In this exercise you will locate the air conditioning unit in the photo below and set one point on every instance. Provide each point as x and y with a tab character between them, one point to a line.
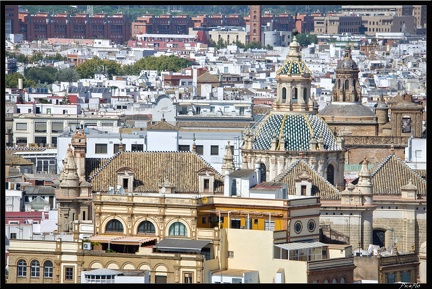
87	246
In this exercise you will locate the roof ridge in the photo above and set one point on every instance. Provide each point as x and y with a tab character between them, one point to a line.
387	159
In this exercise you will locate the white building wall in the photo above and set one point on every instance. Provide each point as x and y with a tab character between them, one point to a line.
162	141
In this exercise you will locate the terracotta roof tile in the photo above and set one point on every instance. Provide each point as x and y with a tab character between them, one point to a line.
389	176
320	186
150	168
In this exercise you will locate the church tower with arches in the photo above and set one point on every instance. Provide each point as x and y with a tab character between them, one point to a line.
292	129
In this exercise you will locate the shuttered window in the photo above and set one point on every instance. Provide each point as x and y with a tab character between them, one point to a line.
40	127
21	126
57	127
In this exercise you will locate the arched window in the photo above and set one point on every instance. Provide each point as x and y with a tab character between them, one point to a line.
22	268
146	227
330	174
114	226
305	95
326	281
254	31
48	269
346	84
283	95
378	238
342	280
233	187
339	83
177	229
294	94
254	17
34	268
334	281
263	172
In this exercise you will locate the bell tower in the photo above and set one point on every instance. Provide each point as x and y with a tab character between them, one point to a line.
255	24
294	82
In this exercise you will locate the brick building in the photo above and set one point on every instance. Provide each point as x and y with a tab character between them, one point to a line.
42	26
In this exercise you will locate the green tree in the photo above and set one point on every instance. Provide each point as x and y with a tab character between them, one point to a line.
58	57
41	74
37	56
161	63
304	39
11	80
96	65
67	75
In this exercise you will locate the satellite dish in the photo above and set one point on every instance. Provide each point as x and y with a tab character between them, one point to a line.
204	200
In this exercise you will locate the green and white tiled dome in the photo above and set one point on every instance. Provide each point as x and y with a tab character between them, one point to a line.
293	64
297	131
293	67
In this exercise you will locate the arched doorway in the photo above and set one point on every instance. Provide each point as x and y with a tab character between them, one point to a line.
330	174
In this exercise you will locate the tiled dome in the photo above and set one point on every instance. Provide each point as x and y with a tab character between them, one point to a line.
293	67
297	131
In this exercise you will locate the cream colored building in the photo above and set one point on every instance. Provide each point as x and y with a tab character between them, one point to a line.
279	263
229	36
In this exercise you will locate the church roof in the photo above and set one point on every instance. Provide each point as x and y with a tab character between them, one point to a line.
391	174
293	64
297	130
293	67
150	168
347	62
320	186
207	77
346	109
163	125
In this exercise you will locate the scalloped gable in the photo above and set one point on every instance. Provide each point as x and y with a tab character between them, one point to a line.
389	176
321	187
179	168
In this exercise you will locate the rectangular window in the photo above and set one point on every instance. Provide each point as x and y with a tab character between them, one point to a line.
187	278
40	140
390	278
21	126
242	110
54	141
204	220
214	150
116	148
40	127
206	185
230	254
200	150
269	225
101	148
406	276
160	279
184	148
137	147
69	273
303	190
418	153
12	236
57	127
235	223
406	125
232	150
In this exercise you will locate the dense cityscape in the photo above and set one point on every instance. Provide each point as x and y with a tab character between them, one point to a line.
216	144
